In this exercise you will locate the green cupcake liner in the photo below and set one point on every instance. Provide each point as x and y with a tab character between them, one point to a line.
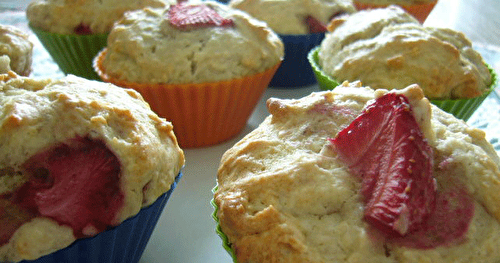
325	82
460	108
73	54
464	108
225	240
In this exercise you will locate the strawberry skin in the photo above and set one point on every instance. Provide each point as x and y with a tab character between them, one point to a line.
82	29
185	16
314	25
385	147
76	183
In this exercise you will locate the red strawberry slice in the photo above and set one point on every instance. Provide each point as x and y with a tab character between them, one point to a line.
315	26
76	183
447	224
184	16
385	146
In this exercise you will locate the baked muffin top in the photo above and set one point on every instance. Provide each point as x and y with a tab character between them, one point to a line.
290	17
147	46
82	16
285	195
388	48
17	49
70	141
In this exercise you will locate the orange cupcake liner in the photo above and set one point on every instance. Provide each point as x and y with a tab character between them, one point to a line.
419	11
203	114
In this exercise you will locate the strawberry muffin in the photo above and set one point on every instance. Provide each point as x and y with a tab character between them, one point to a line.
16	51
201	65
387	48
74	31
360	175
82	163
301	24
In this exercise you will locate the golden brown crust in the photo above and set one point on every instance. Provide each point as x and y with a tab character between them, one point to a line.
386	48
16	51
289	17
283	196
144	47
64	16
38	114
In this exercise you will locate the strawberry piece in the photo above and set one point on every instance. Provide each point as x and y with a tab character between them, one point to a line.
447	224
184	16
385	146
82	29
76	183
314	25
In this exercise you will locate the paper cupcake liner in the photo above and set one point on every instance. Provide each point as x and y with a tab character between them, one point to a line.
419	11
73	53
225	240
295	71
202	114
460	108
124	243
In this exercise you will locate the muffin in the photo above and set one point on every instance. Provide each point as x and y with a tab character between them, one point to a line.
360	175
16	51
301	24
73	32
85	170
420	9
205	71
387	48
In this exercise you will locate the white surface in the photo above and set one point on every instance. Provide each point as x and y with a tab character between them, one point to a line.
186	230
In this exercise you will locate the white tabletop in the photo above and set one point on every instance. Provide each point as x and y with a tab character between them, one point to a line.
186	230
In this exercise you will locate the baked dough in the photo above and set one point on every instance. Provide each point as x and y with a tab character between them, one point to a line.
387	48
284	197
144	47
289	17
64	16
16	51
38	114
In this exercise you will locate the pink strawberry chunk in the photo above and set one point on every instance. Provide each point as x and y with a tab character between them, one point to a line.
385	147
315	26
76	183
185	16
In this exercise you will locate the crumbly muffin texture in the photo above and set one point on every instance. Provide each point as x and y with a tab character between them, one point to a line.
144	47
93	16
289	17
283	196
37	115
16	50
388	48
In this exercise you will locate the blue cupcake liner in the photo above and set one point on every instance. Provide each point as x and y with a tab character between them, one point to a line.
124	243
295	70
